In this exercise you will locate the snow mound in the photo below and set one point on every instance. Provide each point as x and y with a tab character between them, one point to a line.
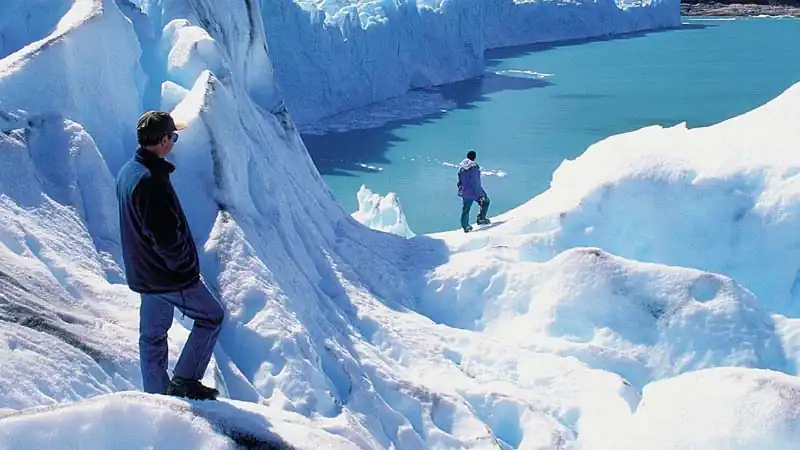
642	321
382	213
133	420
728	408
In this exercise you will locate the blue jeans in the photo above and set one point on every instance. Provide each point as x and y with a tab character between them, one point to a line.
155	319
484	204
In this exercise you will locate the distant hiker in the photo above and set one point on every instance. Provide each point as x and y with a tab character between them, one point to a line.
161	264
470	190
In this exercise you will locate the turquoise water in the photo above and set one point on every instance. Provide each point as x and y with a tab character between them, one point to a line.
703	73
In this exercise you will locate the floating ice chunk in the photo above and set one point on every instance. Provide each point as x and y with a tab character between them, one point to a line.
381	213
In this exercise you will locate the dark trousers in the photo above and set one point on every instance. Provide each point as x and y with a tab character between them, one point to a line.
155	319
483	202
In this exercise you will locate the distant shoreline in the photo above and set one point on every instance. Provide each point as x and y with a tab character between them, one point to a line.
738	10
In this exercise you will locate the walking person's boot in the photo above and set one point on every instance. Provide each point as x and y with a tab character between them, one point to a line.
191	389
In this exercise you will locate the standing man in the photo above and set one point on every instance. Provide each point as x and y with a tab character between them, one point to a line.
162	265
470	190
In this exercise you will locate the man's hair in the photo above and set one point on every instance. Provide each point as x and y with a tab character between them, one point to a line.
471	155
152	126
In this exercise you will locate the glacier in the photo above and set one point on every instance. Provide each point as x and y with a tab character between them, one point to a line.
335	56
639	302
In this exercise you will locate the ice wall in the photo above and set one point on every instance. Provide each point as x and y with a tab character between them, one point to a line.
329	60
518	22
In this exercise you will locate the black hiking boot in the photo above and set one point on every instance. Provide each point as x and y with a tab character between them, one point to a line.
483	222
468	229
191	389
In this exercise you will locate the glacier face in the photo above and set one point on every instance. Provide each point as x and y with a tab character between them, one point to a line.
331	57
329	60
520	336
518	22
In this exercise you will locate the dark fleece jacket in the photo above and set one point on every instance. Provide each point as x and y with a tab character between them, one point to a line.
158	249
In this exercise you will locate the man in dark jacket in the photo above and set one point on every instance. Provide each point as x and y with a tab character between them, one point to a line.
470	190
161	264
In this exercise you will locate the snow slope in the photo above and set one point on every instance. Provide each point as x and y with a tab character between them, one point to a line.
334	56
518	336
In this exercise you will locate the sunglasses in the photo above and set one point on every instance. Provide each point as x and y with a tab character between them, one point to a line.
174	137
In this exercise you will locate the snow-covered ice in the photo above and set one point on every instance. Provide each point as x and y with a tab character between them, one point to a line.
132	420
649	293
721	408
640	320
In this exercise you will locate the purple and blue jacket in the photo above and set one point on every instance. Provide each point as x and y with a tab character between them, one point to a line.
469	180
